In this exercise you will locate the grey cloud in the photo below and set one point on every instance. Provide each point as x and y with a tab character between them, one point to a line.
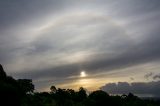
111	45
156	77
56	38
54	72
135	9
141	53
148	75
141	88
134	55
20	11
131	78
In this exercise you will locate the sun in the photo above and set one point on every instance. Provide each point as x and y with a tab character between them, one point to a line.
83	74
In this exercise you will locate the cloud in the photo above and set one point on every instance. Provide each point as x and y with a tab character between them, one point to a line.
148	75
131	78
140	88
100	58
42	39
156	77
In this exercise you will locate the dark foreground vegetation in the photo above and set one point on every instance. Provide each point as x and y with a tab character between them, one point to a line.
21	93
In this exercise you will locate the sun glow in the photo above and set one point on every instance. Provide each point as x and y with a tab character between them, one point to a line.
83	74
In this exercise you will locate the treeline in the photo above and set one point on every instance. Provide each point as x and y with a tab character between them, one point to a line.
21	93
12	91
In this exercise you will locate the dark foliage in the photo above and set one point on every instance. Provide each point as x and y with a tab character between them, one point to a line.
13	91
21	93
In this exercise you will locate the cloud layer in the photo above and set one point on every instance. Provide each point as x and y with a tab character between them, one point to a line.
139	88
55	40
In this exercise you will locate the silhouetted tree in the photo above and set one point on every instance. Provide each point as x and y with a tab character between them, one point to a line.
81	94
12	91
26	85
9	92
63	97
53	89
100	98
2	73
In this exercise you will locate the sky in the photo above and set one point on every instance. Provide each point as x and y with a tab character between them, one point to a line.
97	44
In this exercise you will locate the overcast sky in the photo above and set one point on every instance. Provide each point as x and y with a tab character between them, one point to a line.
53	41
